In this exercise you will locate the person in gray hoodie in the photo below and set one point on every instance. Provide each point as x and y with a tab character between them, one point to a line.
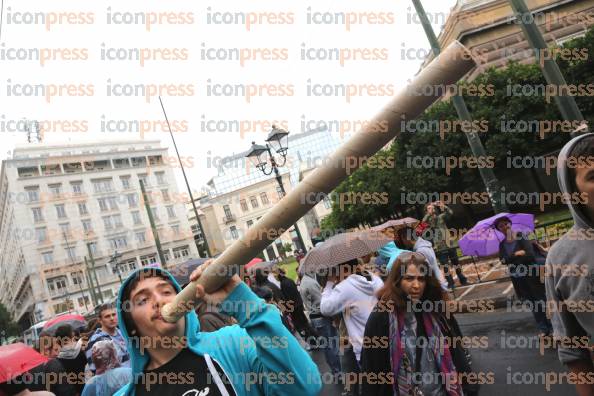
569	278
353	294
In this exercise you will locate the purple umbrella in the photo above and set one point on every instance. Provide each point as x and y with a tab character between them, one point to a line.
483	239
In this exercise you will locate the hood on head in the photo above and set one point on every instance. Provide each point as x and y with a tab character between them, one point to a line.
137	360
566	185
389	253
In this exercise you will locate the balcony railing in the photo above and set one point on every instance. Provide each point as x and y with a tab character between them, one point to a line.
229	218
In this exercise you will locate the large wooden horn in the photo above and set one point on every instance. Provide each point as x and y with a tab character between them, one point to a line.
430	84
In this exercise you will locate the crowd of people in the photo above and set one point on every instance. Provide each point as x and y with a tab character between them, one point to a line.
379	319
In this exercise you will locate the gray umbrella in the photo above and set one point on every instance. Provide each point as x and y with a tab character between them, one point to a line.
396	224
342	248
181	272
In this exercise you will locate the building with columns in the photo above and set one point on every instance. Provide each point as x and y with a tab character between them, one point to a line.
491	31
64	204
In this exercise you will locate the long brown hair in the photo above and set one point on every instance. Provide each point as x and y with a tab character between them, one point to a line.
392	295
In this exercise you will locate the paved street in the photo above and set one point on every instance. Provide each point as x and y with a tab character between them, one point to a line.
502	361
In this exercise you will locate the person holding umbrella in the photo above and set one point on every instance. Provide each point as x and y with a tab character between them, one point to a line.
518	254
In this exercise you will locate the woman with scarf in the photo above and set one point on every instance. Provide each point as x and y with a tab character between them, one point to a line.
406	353
109	375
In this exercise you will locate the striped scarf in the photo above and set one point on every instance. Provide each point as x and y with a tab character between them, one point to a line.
402	367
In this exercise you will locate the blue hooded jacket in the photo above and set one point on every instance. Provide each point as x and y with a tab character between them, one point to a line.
389	253
259	355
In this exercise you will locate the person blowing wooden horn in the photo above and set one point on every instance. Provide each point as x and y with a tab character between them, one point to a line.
169	354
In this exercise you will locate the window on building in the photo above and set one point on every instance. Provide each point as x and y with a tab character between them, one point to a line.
118	243
87	226
244	205
107	294
165	194
83	302
32	193
160	177
166	255
250	223
117	221
65	230
254	202
61	211
77	278
155	214
107	223
181	251
175	230
136	217
125	182
171	212
37	215
93	248
227	211
144	179
82	208
48	257
146	260
41	234
140	237
103	185
57	285
131	264
264	198
132	200
103	204
327	202
71	253
113	203
77	188
234	233
55	190
279	192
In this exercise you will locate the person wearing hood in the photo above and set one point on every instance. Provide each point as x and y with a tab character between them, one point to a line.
407	238
256	357
569	275
388	254
69	366
110	376
352	294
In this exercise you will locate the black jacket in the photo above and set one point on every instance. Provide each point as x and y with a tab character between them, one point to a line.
375	355
514	261
290	291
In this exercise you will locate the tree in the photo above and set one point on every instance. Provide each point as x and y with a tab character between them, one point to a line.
6	323
497	110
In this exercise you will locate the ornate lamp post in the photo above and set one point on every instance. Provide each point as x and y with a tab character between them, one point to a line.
278	140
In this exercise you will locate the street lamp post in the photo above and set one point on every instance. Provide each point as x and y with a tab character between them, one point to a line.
278	139
114	262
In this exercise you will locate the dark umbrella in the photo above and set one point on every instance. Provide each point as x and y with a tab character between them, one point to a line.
262	265
181	272
16	359
483	239
342	248
75	321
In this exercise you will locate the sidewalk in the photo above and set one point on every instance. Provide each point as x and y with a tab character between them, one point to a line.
494	285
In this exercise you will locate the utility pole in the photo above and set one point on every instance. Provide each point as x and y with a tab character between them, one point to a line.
550	69
187	184
90	283
476	146
153	227
94	273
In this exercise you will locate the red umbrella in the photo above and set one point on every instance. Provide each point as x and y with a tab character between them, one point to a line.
253	262
16	359
74	320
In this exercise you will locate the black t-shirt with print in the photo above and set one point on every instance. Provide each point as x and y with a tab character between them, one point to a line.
187	374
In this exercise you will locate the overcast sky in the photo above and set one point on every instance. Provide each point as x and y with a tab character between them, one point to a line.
69	46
